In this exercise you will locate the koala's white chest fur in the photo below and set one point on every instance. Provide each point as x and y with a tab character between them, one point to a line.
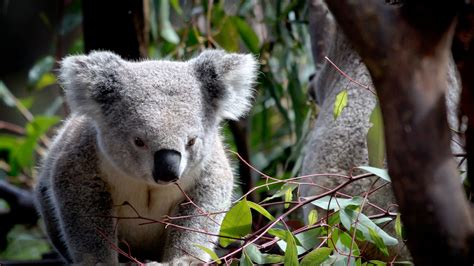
144	200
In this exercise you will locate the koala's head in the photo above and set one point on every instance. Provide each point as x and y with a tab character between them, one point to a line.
158	120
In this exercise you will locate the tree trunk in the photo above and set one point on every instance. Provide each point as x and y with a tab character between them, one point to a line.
463	52
406	51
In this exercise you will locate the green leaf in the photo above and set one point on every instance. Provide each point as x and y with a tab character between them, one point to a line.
341	243
312	217
46	80
334	203
176	6
245	260
6	95
345	242
309	239
237	223
247	35
169	34
228	37
378	241
41	68
70	21
316	257
364	224
4	206
154	10
382	173
377	263
260	210
340	103
167	31
210	252
40	125
281	234
282	191
291	253
54	106
27	102
403	262
375	139
288	197
398	226
382	220
298	99
25	244
261	258
8	142
24	154
334	219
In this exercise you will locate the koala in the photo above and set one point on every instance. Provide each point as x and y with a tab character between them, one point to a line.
136	131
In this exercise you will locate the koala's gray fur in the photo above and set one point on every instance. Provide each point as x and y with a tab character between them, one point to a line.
94	164
337	145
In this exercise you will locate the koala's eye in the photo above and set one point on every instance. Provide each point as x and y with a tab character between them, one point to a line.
191	142
139	142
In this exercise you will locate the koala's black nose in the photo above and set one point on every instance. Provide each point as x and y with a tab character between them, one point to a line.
166	165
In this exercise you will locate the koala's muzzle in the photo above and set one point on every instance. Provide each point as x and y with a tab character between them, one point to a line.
166	166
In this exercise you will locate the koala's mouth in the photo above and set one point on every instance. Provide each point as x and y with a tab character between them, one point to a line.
166	166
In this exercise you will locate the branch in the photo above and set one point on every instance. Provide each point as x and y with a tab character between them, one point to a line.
406	51
22	209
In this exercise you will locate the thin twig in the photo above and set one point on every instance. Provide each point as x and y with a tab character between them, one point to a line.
349	77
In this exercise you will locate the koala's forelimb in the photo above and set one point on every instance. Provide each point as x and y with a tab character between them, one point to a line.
209	194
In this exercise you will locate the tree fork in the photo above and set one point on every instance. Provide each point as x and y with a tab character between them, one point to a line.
406	50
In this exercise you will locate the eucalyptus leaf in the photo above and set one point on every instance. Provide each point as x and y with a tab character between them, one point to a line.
382	173
228	36
261	210
260	258
379	242
364	224
237	223
245	260
376	139
210	252
247	35
340	103
377	263
398	226
312	217
25	244
6	95
176	6
382	220
316	257
282	191
309	239
166	29
291	253
288	197
41	68
334	203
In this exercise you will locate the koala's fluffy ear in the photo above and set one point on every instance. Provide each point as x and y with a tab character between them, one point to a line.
227	80
90	80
